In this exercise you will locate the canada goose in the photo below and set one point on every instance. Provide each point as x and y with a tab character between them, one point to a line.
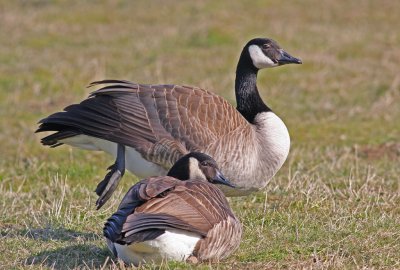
166	218
152	126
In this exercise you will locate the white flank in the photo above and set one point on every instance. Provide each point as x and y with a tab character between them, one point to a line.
260	60
276	137
133	160
175	245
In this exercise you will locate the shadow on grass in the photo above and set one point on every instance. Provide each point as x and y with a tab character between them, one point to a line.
46	234
75	256
77	250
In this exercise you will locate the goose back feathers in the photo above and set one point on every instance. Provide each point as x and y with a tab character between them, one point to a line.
161	122
166	218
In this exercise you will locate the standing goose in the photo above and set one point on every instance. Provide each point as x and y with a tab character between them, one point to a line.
166	218
152	126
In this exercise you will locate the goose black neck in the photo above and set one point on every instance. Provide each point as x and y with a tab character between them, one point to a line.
249	102
180	170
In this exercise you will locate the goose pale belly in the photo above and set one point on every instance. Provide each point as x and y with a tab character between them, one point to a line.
249	165
174	244
251	156
143	168
133	160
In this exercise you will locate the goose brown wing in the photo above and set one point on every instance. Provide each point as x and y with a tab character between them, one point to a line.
137	195
162	122
192	205
190	115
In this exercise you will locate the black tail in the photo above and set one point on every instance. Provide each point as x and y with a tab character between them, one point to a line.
53	139
92	117
113	227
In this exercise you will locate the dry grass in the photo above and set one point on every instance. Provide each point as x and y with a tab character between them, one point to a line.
334	205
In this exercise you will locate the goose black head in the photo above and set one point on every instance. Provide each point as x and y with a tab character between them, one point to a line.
266	53
197	165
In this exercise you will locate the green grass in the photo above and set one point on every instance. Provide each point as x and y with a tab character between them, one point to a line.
336	202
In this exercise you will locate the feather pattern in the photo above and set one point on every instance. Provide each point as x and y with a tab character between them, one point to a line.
161	203
161	123
165	122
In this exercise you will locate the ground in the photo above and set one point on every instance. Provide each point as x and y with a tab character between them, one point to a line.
336	202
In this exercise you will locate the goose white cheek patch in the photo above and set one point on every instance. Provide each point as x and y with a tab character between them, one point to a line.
194	169
260	60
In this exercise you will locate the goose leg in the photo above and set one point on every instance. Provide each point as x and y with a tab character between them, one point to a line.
110	182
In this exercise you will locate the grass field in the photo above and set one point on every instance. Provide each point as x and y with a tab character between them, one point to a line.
334	205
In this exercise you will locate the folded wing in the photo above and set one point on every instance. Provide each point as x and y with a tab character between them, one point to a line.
192	205
162	122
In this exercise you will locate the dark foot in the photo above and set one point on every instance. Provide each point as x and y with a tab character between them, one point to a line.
108	185
110	182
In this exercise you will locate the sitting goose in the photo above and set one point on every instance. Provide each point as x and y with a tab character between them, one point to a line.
166	218
152	126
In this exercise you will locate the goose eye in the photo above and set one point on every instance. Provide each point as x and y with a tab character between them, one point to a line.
204	163
266	46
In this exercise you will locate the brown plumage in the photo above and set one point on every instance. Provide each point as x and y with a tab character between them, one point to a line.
162	122
157	124
159	213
